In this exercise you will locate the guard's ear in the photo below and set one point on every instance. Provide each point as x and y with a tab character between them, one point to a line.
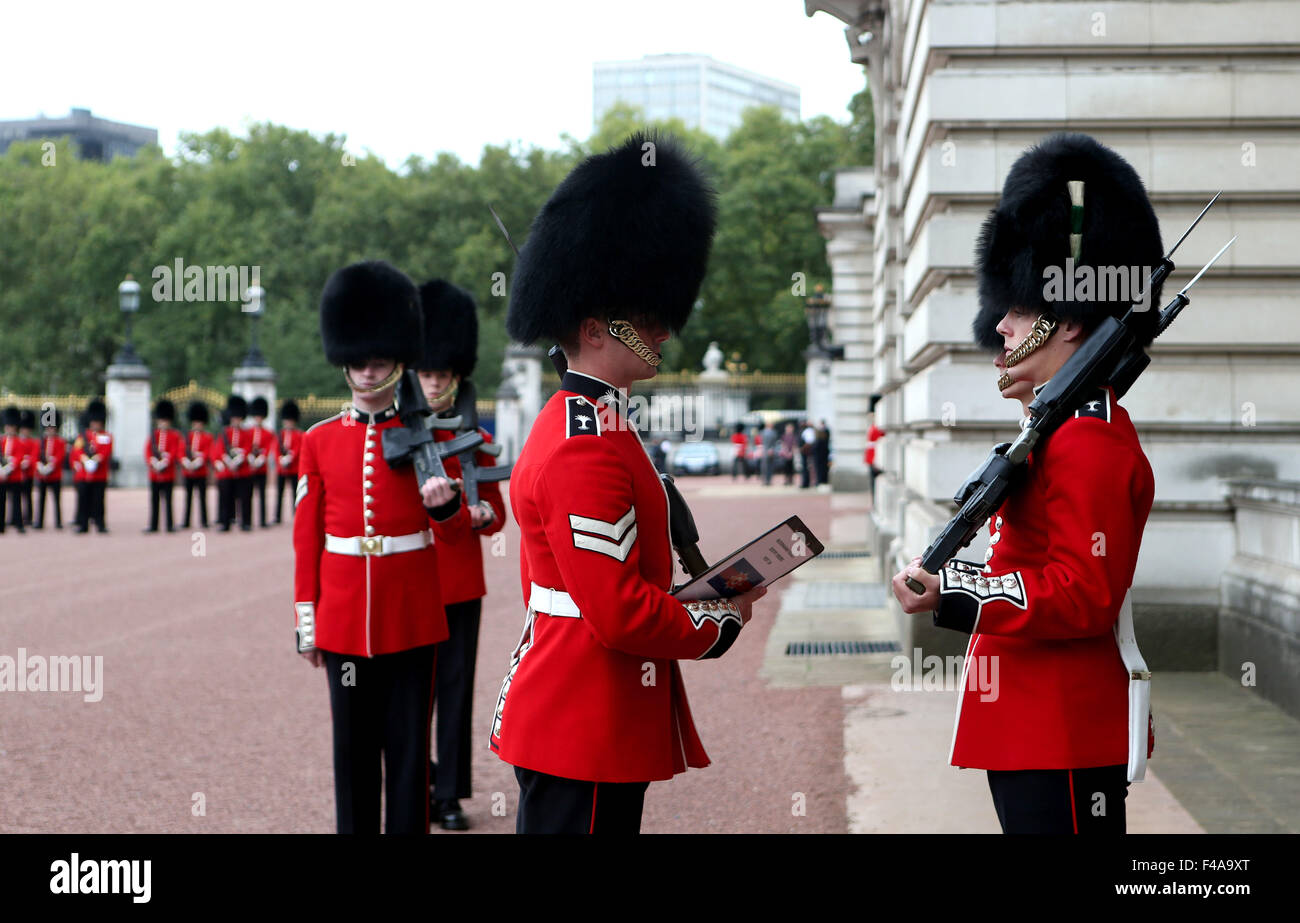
1070	330
591	332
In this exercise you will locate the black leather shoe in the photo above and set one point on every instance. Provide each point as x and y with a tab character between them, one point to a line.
450	816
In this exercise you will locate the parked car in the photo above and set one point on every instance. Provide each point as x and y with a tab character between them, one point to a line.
696	458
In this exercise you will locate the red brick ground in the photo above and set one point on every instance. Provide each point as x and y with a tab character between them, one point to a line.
206	704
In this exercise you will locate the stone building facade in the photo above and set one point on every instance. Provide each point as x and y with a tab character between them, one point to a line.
1199	97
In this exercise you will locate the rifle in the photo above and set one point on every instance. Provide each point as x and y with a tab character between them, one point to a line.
466	410
1110	356
682	532
413	441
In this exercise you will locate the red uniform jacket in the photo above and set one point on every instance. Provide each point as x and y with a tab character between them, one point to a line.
599	697
290	447
88	445
164	444
460	564
229	453
261	451
56	450
198	447
1063	550
13	455
741	444
28	471
365	604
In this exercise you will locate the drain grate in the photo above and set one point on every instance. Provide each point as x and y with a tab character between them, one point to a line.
823	648
840	555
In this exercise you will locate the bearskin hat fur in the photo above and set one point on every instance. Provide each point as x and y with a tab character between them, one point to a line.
198	413
96	412
289	411
370	310
1030	229
258	407
623	236
450	328
12	417
236	406
164	410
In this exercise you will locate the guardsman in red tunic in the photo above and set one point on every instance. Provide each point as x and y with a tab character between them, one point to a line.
366	539
49	468
92	456
1044	704
162	453
593	707
27	426
194	462
288	448
229	456
261	454
450	353
13	459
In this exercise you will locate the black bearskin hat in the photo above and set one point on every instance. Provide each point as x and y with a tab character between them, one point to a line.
370	310
164	410
198	412
258	407
12	417
621	237
96	412
1030	229
236	406
450	328
289	411
27	420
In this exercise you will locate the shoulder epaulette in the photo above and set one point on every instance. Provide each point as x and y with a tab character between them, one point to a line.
581	417
1097	406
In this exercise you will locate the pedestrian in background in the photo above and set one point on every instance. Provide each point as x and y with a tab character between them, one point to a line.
789	443
739	463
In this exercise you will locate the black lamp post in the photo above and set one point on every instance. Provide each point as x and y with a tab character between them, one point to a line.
128	299
817	310
255	304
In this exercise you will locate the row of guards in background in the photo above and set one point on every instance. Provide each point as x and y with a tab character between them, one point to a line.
240	458
27	461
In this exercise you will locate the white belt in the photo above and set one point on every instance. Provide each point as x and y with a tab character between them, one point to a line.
1139	691
361	546
553	602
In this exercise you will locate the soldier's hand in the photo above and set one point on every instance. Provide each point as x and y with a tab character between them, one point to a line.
314	656
481	515
438	491
907	597
745	602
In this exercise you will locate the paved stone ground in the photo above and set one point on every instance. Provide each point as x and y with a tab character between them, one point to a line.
206	705
209	722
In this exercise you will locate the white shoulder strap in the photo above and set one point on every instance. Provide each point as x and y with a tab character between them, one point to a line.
1139	690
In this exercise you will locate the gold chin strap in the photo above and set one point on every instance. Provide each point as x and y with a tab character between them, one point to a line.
625	333
1043	328
396	374
448	394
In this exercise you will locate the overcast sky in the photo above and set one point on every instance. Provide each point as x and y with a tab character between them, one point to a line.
398	78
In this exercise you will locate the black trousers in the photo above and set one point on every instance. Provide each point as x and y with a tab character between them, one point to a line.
1058	801
11	506
550	804
55	489
281	481
257	484
90	504
244	501
160	493
381	708
454	695
27	501
196	486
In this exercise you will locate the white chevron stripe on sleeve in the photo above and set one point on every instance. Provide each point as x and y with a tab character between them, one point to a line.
612	530
301	490
618	551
